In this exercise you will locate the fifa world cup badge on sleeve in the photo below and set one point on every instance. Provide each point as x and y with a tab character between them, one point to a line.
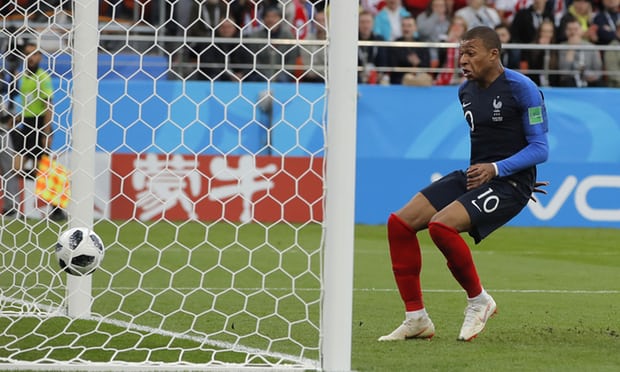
535	115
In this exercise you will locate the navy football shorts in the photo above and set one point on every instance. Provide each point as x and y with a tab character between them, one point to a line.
489	206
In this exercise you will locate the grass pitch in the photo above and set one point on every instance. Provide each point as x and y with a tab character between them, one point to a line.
558	295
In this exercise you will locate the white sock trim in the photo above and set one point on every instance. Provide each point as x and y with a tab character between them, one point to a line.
417	314
482	296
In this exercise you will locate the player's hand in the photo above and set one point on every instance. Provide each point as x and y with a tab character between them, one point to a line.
537	188
479	174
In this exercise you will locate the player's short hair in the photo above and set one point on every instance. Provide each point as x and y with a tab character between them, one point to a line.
489	37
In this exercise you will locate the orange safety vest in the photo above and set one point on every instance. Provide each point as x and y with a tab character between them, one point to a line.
52	182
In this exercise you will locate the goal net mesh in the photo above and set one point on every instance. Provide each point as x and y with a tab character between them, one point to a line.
208	196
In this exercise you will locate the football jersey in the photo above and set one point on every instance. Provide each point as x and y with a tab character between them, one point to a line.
508	124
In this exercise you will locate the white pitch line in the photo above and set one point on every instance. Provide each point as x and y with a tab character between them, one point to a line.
249	289
558	291
297	289
47	311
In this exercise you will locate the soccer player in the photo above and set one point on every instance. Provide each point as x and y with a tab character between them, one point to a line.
508	132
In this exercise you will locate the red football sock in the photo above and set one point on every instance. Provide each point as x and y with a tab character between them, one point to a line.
406	262
460	261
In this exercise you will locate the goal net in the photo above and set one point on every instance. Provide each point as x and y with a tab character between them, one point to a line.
194	137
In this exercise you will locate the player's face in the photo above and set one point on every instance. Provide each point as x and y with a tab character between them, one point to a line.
475	59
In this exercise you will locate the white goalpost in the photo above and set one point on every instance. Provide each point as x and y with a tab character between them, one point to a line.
84	135
340	187
211	145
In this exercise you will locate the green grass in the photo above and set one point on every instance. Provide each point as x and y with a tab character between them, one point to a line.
202	286
558	295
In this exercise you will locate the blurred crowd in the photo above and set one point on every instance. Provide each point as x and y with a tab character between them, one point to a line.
225	39
575	25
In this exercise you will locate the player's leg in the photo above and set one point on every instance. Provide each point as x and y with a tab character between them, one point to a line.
479	212
406	257
402	228
450	220
405	254
445	228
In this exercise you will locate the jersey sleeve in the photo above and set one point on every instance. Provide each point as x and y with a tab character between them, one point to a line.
535	126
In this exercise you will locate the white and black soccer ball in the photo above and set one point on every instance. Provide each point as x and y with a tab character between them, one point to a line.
79	251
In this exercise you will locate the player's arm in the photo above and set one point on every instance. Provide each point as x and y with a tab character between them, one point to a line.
535	125
46	92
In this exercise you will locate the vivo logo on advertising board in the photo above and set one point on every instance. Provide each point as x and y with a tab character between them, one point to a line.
580	190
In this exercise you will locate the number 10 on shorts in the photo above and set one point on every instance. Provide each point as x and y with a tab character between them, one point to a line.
486	202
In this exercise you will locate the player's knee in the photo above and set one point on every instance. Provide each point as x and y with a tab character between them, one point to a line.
436	228
454	221
397	227
436	218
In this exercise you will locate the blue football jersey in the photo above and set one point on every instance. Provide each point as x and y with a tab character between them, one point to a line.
508	124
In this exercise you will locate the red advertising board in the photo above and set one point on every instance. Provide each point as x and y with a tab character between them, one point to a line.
210	188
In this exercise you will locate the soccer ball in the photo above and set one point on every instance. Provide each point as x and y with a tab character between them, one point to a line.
79	251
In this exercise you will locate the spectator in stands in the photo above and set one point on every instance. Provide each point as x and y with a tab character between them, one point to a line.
433	23
433	26
544	60
274	61
205	17
180	19
320	5
416	7
408	57
450	62
526	22
373	6
612	62
511	58
476	13
387	21
117	9
314	57
369	57
454	5
249	13
606	21
557	8
219	60
585	65
191	19
298	13
581	10
181	13
507	9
